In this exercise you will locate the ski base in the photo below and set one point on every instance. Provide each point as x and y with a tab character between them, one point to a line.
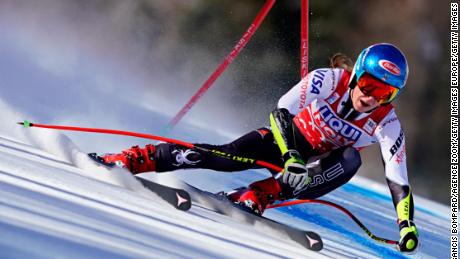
222	205
178	198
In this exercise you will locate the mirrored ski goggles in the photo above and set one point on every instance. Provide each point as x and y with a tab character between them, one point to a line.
382	92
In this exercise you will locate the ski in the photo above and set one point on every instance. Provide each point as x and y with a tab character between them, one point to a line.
178	198
220	204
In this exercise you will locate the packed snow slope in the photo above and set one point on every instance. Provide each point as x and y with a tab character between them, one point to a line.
50	208
55	202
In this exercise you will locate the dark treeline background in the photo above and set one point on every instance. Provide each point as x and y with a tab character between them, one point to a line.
176	44
269	65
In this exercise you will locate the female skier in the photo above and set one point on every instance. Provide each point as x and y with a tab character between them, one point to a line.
315	134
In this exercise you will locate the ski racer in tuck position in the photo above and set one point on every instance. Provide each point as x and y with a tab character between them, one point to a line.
315	133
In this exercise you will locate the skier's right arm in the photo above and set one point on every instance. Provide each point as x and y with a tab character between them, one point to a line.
319	84
315	85
295	172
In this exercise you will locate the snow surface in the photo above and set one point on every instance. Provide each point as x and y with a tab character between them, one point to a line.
55	202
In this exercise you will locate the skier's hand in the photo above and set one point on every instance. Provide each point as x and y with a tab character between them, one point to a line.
295	172
409	236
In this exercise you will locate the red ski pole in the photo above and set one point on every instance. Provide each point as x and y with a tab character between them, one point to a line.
218	153
342	209
221	68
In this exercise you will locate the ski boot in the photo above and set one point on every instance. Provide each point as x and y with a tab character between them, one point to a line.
136	160
257	196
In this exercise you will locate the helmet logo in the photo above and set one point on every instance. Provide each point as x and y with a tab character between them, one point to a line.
390	67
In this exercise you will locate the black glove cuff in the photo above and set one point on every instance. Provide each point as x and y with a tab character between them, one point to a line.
406	223
292	153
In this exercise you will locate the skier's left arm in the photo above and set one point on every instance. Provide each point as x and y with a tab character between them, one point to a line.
392	144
